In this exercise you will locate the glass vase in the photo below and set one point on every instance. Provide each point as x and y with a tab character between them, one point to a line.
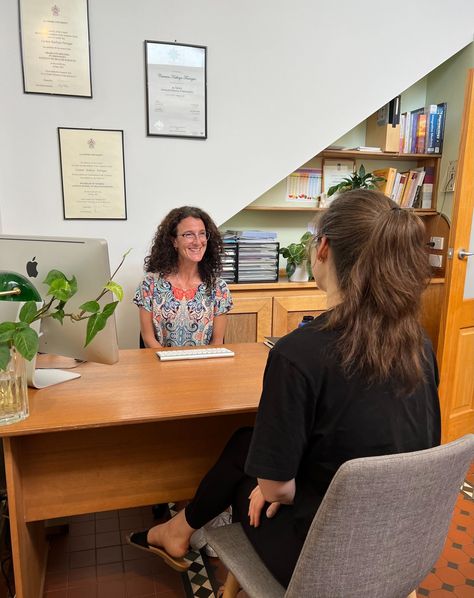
13	390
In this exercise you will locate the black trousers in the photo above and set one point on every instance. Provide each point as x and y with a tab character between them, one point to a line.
226	484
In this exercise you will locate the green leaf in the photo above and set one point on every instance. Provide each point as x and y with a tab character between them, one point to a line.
28	312
109	309
73	285
90	306
95	324
361	171
21	326
58	315
6	331
26	342
54	275
115	288
60	289
4	355
290	268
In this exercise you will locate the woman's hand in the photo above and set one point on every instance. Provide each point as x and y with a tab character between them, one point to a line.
257	502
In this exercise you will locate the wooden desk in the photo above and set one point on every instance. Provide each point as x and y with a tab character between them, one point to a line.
135	433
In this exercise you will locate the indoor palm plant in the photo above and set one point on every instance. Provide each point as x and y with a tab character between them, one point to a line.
296	255
357	180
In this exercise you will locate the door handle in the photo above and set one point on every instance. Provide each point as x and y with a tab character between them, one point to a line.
463	254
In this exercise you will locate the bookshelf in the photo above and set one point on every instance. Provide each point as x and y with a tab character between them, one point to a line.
403	161
436	225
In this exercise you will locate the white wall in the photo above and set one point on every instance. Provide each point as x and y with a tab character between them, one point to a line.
284	80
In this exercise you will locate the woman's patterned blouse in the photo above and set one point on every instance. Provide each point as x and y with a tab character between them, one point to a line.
182	318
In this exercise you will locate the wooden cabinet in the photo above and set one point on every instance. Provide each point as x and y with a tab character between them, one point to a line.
288	310
274	309
250	320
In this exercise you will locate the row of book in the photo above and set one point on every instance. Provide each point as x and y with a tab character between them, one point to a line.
250	256
410	189
422	130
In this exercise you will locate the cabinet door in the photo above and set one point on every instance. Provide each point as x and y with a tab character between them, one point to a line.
250	320
288	311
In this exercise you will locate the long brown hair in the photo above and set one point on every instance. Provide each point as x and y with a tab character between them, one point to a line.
163	258
381	263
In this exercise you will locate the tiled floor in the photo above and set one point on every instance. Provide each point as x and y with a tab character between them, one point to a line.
93	561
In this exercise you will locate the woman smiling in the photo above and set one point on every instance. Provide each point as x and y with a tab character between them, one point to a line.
181	299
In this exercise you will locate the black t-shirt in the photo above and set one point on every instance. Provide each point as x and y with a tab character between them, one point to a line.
312	418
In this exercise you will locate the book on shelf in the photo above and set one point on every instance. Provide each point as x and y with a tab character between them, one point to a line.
422	130
389	174
440	122
365	148
420	134
414	180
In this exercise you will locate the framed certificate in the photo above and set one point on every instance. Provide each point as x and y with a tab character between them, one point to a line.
334	171
55	47
176	90
93	174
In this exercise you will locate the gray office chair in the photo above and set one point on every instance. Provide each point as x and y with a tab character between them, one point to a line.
377	533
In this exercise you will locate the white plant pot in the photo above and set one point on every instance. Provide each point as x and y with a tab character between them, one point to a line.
300	274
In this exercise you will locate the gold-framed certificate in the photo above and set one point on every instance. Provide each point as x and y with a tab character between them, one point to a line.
93	174
176	90
55	47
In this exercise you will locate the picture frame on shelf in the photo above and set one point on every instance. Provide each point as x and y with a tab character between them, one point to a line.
334	171
176	90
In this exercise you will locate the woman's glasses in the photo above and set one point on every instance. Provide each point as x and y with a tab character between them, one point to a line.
201	236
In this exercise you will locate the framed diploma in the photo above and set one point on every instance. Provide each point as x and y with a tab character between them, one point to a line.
176	90
334	171
93	174
55	47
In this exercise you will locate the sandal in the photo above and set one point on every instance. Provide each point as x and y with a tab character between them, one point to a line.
139	540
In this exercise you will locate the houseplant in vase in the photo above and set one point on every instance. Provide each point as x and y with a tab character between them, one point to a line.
360	179
296	254
19	340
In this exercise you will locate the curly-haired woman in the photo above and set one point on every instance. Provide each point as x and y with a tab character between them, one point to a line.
182	300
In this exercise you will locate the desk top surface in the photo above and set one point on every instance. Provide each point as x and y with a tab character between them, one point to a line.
140	388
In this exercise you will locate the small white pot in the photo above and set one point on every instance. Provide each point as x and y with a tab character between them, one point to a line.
300	274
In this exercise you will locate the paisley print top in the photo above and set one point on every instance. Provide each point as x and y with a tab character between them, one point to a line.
182	318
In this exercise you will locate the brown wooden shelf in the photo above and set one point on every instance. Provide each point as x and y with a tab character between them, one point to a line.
283	209
376	155
425	212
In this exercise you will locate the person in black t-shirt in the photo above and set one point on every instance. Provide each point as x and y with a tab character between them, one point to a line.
360	380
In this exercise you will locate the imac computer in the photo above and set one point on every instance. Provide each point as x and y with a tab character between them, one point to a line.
88	261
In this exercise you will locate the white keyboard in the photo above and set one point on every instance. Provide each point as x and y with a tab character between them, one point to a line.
208	353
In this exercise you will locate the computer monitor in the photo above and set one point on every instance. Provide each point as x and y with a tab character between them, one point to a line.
88	261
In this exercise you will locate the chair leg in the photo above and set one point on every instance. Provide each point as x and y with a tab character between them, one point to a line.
232	586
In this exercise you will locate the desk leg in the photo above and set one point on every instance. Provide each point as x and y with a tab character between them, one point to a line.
29	545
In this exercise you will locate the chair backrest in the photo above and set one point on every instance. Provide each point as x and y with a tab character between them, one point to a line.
382	524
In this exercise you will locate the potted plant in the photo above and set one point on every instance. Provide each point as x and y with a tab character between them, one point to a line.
357	180
19	340
296	255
